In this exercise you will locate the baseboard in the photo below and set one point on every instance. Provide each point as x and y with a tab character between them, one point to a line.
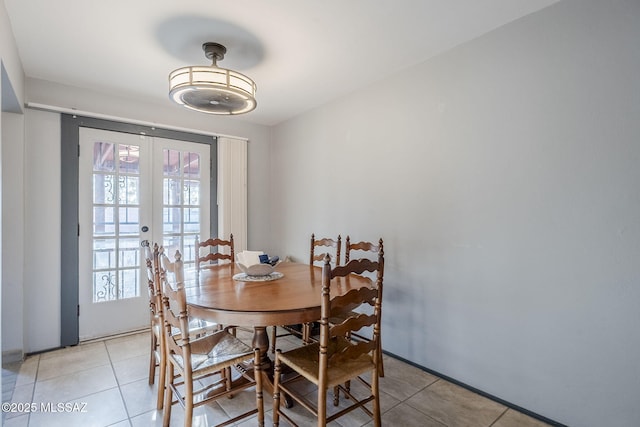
11	356
477	391
116	335
92	340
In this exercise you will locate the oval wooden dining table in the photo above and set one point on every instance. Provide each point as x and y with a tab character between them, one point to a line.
213	294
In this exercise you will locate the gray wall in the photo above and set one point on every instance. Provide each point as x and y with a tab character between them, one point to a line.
503	176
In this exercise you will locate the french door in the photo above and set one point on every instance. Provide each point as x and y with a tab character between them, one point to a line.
133	188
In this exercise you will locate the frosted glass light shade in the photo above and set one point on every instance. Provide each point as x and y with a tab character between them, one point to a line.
213	90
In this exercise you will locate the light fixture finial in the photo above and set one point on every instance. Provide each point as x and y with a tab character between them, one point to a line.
214	51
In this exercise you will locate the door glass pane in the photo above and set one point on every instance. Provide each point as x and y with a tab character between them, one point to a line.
104	188
129	158
192	192
103	221
103	157
128	283
181	202
171	164
171	191
191	163
129	223
129	190
104	251
191	220
189	248
104	286
129	252
116	214
171	223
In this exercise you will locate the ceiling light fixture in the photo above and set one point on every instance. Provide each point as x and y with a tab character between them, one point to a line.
211	89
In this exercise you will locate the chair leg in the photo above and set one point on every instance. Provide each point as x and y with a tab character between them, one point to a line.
162	377
306	333
380	364
152	358
257	375
225	373
375	390
188	399
168	396
276	392
322	406
274	335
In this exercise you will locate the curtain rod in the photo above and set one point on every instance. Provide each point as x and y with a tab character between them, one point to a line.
55	109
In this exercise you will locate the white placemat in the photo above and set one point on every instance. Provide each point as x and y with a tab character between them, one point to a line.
242	277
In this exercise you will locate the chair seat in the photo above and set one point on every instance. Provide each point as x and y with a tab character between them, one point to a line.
305	360
215	351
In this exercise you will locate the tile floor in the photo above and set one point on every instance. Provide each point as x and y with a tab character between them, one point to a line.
105	384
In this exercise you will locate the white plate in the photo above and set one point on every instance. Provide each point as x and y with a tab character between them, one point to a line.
242	277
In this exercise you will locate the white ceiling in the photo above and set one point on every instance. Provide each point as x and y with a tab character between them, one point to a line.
301	53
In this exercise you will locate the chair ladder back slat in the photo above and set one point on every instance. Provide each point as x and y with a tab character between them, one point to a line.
361	246
357	266
214	257
326	242
215	245
353	324
343	304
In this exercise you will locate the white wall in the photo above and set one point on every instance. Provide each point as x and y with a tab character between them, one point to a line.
42	231
503	176
12	178
12	95
42	186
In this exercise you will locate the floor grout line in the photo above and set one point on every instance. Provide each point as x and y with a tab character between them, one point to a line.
134	369
113	371
498	419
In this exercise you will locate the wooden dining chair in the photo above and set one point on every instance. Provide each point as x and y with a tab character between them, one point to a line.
156	353
303	331
371	251
336	359
158	263
217	250
191	360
